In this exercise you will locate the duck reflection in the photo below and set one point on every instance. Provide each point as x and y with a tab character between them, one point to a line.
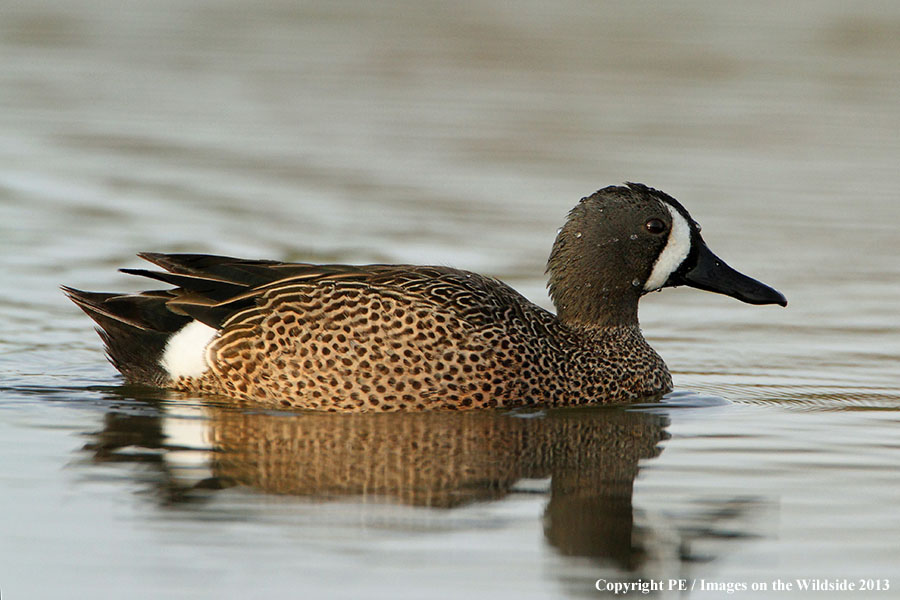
432	459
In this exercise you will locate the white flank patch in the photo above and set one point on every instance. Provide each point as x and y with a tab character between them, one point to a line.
677	249
185	353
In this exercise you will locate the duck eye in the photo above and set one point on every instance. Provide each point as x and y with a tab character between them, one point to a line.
655	226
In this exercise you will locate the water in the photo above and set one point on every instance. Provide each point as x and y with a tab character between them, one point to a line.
453	134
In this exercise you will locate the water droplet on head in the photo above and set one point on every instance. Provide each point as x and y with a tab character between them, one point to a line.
578	235
633	236
635	282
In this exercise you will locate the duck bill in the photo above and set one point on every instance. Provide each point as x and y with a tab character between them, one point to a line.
710	273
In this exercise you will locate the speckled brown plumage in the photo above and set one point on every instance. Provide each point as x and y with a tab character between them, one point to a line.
403	337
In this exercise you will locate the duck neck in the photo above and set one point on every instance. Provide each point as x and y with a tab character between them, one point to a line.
591	295
593	305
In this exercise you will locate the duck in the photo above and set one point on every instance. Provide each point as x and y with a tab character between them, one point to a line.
380	337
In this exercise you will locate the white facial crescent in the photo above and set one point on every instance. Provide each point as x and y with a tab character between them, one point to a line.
677	249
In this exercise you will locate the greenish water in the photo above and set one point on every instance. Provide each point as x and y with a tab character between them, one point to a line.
455	134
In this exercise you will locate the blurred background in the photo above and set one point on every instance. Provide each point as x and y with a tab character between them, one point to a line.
461	134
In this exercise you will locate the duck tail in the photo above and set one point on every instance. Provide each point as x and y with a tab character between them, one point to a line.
135	329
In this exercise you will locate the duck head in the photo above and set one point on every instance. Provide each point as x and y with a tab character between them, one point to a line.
625	241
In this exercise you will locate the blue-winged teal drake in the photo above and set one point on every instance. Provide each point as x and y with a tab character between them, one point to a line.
402	337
